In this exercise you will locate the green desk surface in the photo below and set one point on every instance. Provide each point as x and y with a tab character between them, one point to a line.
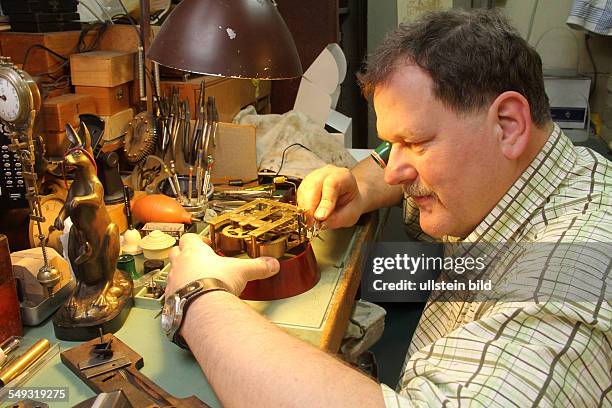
310	316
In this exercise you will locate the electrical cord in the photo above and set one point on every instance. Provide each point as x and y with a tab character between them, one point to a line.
285	151
532	20
78	48
587	38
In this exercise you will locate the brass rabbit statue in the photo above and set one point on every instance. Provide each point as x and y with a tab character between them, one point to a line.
103	294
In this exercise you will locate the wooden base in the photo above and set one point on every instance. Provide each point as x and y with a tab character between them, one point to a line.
66	330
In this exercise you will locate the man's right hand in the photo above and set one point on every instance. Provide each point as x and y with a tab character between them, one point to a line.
331	195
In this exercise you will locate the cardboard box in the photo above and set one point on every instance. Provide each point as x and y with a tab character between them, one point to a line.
108	101
235	153
102	68
63	109
116	125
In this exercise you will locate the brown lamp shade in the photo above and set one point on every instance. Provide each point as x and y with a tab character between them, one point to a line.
230	38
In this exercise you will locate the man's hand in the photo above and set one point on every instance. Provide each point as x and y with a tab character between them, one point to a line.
331	195
193	259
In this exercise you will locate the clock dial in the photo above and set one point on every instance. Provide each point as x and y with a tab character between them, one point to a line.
50	207
10	104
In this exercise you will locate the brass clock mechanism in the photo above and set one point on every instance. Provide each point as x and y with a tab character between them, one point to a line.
19	102
262	227
19	95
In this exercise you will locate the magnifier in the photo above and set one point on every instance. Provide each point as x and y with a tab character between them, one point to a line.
381	154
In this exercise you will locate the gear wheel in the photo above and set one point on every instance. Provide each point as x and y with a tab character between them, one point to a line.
140	140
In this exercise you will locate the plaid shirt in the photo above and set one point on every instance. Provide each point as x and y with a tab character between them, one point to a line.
531	352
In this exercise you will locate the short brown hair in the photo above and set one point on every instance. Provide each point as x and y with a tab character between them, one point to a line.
472	58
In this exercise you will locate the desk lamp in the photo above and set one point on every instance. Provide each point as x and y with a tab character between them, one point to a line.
229	38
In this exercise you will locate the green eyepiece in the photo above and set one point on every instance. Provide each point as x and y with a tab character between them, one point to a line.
381	154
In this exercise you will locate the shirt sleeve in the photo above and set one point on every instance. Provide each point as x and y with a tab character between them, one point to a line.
518	355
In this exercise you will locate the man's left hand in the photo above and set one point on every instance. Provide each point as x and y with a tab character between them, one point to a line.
193	259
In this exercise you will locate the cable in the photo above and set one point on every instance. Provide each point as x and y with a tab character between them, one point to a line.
285	151
104	11
532	20
587	37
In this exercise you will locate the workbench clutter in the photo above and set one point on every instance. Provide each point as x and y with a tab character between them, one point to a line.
151	170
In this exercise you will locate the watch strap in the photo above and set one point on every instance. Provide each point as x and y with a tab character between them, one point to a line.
189	293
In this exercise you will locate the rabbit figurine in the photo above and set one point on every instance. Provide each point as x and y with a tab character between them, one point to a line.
102	290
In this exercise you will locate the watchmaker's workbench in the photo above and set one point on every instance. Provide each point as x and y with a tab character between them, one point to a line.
319	316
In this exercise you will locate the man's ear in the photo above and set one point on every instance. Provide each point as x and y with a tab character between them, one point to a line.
512	119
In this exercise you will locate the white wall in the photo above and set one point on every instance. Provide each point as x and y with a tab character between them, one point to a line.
560	46
382	17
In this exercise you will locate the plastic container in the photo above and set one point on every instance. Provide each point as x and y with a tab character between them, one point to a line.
157	245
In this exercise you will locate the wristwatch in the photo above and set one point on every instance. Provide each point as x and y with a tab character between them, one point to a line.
175	306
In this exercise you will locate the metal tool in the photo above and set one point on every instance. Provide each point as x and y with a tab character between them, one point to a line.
189	184
187	133
121	372
21	363
199	126
316	229
11	345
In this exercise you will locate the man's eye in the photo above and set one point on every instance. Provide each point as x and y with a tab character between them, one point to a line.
417	147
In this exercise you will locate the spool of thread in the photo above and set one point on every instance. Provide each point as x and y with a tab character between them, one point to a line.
24	361
127	263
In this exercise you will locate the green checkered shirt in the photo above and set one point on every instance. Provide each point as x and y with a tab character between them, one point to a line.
535	352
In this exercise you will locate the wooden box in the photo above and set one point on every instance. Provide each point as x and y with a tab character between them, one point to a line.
108	100
56	143
116	125
16	45
102	68
63	109
231	94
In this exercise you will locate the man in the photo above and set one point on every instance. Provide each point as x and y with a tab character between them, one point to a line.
460	96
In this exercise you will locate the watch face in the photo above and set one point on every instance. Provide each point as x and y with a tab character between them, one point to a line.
168	313
10	103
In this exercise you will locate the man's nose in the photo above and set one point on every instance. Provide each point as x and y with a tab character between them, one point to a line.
399	169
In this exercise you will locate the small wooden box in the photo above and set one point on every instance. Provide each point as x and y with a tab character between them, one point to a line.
63	109
102	68
116	125
108	100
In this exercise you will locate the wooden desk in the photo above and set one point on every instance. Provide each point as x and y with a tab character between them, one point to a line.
176	370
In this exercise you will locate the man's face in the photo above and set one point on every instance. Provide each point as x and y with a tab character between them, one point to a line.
449	163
